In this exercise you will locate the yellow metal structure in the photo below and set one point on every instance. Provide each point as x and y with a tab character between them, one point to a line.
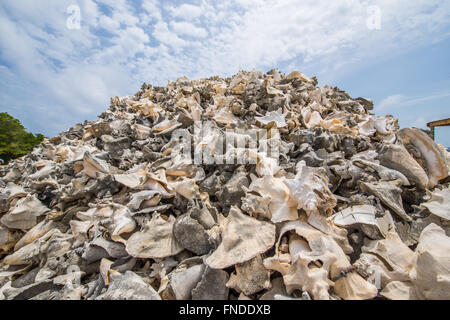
438	123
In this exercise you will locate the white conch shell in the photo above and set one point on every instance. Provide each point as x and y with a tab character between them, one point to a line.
385	174
311	118
431	273
250	277
24	214
26	254
309	191
277	288
142	132
183	280
146	107
394	253
144	199
122	222
106	271
365	215
337	233
79	231
8	239
354	287
13	191
156	240
166	126
399	290
372	267
225	116
439	204
315	258
395	156
387	261
186	187
274	195
128	286
273	116
432	160
338	126
389	194
132	181
243	238
298	75
92	165
43	169
374	125
134	177
35	233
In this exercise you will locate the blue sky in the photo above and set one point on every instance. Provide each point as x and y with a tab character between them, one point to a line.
54	74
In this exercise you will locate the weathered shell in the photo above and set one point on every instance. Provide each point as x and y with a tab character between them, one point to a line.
439	204
24	214
363	215
92	165
129	286
395	156
250	277
184	280
389	194
314	259
426	152
430	275
243	238
155	240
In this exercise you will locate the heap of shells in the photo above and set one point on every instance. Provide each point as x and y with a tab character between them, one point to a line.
351	207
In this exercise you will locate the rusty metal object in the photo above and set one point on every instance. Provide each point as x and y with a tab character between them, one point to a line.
438	123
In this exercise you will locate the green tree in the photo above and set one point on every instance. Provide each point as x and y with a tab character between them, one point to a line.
15	141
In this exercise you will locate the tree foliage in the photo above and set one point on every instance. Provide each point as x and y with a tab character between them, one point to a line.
15	141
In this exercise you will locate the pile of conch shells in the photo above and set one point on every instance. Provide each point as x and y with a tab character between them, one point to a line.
350	207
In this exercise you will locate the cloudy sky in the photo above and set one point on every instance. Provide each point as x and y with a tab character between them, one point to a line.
61	60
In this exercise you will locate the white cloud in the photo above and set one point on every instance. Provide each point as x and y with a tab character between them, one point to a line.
164	35
186	11
152	10
109	24
77	70
420	122
426	98
391	102
398	100
188	29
